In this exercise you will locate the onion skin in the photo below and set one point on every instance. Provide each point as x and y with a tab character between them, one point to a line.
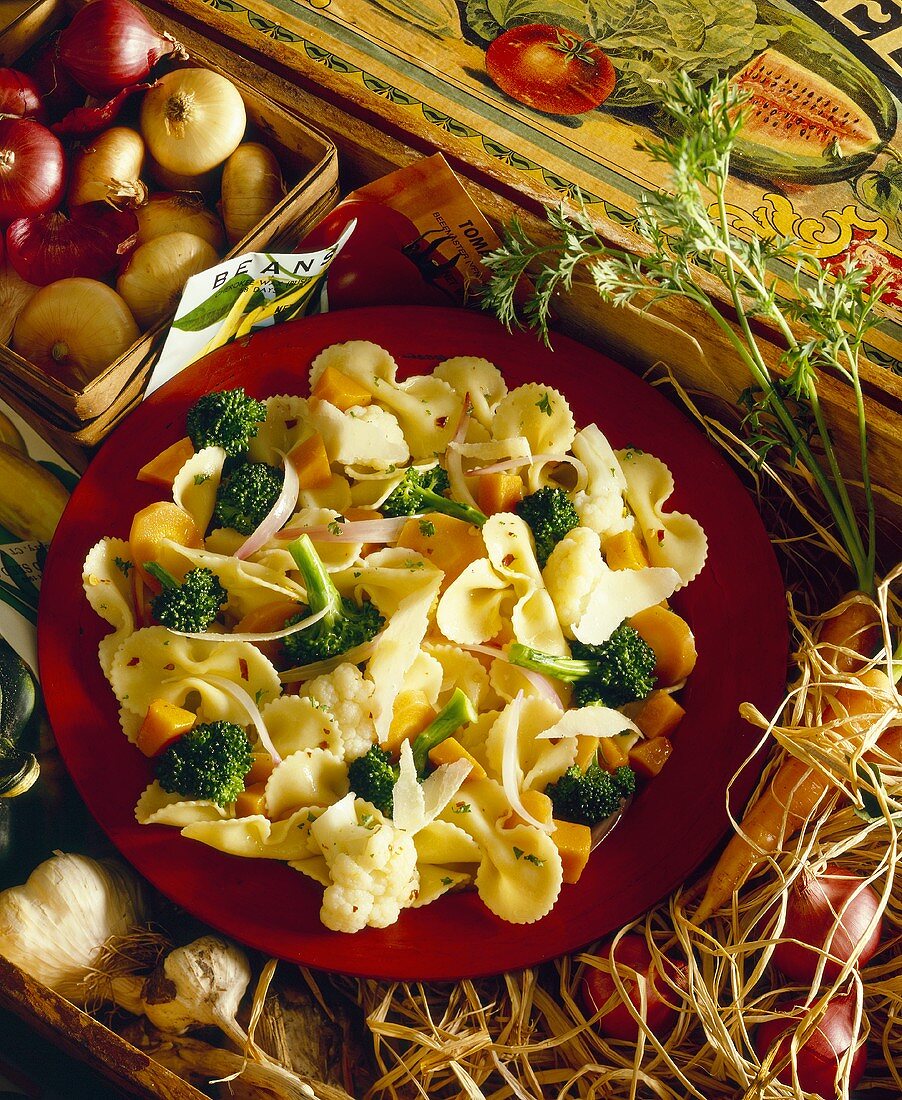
814	904
109	44
21	96
818	1059
82	121
192	120
32	169
73	329
109	170
90	243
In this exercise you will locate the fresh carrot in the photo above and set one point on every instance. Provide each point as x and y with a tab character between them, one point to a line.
151	527
672	641
849	638
796	791
499	492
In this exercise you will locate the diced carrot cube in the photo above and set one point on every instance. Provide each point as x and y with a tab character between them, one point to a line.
163	724
311	461
499	492
151	526
649	757
449	543
574	843
625	551
671	639
612	752
261	769
451	750
412	713
586	747
266	619
534	802
162	469
251	801
660	715
341	391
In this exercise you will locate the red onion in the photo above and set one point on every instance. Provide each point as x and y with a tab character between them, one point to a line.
274	519
828	912
351	531
109	45
32	170
88	243
817	1061
58	90
20	96
82	121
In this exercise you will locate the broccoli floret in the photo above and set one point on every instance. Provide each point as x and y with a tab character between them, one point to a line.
190	605
617	672
244	499
373	775
345	623
550	515
225	418
590	796
209	762
421	491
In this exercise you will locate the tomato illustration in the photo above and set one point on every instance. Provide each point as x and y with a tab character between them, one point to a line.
550	69
382	263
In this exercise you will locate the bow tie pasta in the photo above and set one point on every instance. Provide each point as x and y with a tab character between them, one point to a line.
407	636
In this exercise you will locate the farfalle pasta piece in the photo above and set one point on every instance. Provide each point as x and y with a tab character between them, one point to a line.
295	723
672	539
470	610
520	873
249	584
538	760
600	505
159	807
387	577
511	551
153	663
370	437
286	424
309	777
540	413
365	362
460	669
256	837
426	675
398	646
435	882
335	556
478	379
427	409
336	494
106	576
195	485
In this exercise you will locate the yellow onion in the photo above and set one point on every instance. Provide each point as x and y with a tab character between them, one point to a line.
192	119
109	169
14	293
206	184
155	276
73	329
251	187
178	212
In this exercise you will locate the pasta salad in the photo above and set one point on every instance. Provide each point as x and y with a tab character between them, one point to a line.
406	636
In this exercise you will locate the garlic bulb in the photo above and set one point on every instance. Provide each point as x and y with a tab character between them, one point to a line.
56	924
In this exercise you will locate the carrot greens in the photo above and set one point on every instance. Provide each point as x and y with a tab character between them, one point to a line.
690	248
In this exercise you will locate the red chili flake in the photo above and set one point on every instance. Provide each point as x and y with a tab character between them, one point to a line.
660	535
134	661
242	669
169	668
441	421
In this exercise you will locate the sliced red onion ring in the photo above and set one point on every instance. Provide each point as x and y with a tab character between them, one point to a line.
243	699
509	766
284	506
536	462
541	683
358	530
268	636
454	462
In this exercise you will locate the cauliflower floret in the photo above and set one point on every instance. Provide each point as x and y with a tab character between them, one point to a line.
372	866
369	437
346	697
601	505
572	570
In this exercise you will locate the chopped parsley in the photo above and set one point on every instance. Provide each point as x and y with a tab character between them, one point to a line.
545	405
427	528
123	565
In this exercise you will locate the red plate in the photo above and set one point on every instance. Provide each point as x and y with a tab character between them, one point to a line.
735	608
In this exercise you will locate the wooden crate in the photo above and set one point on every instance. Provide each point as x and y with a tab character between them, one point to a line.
83	417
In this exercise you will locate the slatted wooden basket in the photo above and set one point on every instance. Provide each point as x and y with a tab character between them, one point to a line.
81	418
